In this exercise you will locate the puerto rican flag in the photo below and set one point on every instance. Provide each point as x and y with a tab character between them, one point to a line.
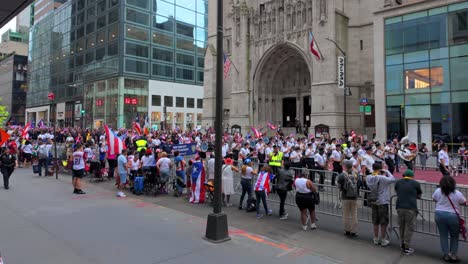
198	183
114	143
256	133
25	133
263	182
271	126
137	127
313	46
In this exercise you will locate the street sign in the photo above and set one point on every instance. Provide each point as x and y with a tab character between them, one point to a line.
341	72
364	101
368	109
51	96
361	109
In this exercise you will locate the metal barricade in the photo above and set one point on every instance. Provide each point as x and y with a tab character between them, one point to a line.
425	220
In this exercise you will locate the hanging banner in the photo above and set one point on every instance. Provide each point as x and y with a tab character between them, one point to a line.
341	72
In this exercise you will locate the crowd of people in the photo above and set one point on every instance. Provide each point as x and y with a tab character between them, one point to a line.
267	165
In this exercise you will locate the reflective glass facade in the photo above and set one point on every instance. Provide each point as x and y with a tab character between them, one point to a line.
90	48
426	61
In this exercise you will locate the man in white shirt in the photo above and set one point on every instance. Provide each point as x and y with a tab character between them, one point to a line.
389	155
367	161
245	151
260	148
295	159
320	162
362	150
224	149
444	160
309	159
337	158
268	150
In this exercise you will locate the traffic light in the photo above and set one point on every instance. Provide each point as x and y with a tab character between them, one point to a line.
82	111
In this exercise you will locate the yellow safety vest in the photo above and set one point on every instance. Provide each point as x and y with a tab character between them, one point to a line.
141	144
276	160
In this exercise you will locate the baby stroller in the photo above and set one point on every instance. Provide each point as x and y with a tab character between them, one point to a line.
150	181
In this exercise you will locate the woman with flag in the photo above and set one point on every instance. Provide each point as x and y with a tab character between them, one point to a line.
262	188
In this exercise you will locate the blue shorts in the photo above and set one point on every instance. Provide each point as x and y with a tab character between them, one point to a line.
123	178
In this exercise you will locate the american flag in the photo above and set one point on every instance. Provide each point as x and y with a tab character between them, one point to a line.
227	65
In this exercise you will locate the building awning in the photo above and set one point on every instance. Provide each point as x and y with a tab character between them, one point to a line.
9	9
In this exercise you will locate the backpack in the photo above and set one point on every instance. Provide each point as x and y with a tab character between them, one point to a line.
43	153
373	194
350	186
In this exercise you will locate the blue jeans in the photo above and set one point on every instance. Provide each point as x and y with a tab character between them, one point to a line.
180	176
246	189
447	223
261	195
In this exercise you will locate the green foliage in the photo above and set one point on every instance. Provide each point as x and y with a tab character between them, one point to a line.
4	115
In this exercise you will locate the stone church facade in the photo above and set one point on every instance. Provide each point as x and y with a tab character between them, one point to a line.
276	79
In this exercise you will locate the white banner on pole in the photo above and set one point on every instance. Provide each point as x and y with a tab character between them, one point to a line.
341	72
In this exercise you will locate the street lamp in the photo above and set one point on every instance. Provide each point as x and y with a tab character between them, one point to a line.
216	225
345	111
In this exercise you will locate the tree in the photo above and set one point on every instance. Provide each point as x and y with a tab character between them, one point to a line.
4	115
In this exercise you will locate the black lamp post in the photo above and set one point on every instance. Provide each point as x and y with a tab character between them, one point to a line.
216	225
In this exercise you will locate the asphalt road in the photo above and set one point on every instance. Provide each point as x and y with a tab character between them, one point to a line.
41	221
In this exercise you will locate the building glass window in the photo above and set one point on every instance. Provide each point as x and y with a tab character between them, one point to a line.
185	59
137	17
168	101
185	74
163	70
136	66
100	53
458	27
136	33
190	102
136	50
200	103
185	44
163	39
113	16
101	22
91	41
458	75
424	78
139	3
101	37
162	7
163	55
163	23
101	7
179	101
156	100
113	32
90	28
112	49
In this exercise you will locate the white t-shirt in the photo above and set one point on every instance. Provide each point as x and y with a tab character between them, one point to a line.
368	161
443	156
285	151
27	149
135	162
248	173
89	152
336	155
147	161
356	162
164	163
319	160
443	203
268	151
260	148
224	149
295	157
70	139
244	152
309	153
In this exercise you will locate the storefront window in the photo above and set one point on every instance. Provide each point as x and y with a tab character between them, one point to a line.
424	78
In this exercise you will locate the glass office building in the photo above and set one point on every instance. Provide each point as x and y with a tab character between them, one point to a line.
102	55
425	73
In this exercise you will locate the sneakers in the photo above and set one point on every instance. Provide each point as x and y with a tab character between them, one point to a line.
376	241
384	242
313	226
270	212
304	227
259	216
121	194
76	191
408	251
284	217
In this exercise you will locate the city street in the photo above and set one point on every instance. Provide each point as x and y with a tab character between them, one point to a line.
42	222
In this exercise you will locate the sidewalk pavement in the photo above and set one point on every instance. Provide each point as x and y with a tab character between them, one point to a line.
43	222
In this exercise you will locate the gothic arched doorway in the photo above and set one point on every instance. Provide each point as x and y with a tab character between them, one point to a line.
282	87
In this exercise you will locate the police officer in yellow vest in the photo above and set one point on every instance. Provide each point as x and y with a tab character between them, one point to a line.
141	144
276	159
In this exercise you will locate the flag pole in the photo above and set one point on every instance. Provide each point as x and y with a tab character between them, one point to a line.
318	47
232	63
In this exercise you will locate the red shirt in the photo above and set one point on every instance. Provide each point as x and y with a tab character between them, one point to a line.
13	147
